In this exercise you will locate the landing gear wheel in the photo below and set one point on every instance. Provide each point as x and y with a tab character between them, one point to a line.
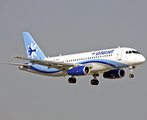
94	82
131	75
72	80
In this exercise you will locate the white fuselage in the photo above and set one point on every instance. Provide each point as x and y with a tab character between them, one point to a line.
101	61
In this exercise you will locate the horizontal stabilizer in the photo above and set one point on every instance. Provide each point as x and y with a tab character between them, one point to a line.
18	64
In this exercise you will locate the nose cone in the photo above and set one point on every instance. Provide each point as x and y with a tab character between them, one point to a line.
141	59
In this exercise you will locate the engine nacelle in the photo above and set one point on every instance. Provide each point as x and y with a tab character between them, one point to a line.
113	74
80	70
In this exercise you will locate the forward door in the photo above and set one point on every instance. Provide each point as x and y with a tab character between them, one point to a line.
119	54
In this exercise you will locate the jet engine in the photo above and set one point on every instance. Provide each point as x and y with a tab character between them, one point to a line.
80	70
113	74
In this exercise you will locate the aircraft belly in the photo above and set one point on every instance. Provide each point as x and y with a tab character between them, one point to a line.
56	74
100	68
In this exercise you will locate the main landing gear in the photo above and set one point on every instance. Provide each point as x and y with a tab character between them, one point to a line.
95	81
72	80
131	70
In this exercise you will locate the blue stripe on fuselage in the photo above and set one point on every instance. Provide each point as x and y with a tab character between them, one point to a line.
104	61
44	69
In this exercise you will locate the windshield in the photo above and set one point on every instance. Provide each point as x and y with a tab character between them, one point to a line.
132	52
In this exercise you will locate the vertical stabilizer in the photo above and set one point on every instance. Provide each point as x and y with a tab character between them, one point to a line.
32	49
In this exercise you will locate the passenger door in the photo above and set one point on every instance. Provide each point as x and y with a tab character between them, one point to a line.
119	54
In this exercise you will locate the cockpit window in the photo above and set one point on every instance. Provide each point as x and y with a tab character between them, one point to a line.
134	52
130	52
137	52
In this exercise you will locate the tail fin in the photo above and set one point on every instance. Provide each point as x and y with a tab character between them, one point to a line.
32	49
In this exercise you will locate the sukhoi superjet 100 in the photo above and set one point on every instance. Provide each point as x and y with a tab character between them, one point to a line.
109	62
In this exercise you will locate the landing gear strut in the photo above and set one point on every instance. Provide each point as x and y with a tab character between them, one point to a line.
95	81
72	80
131	70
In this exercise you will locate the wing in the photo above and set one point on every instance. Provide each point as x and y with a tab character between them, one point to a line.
52	64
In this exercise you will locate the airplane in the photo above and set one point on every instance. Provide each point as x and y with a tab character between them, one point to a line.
109	62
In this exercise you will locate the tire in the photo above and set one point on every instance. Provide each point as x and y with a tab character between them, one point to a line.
96	82
93	82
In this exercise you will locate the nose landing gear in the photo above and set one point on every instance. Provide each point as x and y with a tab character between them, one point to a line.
131	70
131	75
